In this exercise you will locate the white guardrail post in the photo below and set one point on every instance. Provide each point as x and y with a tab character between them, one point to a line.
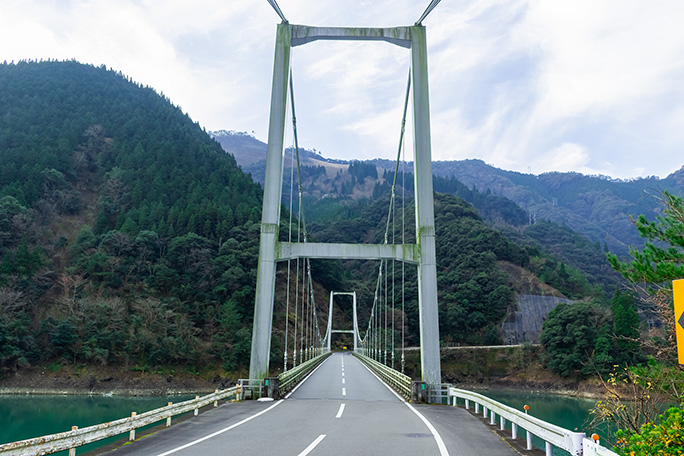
575	443
70	440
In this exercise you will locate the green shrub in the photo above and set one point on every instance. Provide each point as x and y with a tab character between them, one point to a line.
663	439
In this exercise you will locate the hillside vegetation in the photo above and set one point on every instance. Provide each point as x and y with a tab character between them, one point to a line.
127	236
597	207
336	190
474	292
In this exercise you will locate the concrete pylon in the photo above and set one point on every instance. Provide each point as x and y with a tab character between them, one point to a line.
425	212
422	254
355	332
270	215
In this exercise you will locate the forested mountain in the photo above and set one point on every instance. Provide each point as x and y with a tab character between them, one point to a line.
475	292
335	190
127	236
597	207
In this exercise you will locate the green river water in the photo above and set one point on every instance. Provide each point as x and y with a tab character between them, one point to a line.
571	413
23	417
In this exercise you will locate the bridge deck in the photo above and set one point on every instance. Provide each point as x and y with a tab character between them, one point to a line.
373	421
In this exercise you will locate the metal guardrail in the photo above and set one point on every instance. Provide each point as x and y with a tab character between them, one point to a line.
591	447
77	437
289	379
400	382
551	434
250	388
471	347
439	393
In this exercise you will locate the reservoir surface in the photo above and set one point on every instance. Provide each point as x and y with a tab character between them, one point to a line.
25	417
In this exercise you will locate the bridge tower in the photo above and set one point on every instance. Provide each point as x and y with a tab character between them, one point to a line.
354	332
421	254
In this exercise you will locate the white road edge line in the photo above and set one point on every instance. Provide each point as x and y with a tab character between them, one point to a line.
438	438
233	426
310	448
195	442
340	411
380	380
287	396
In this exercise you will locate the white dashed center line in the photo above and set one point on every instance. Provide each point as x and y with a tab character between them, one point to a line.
310	448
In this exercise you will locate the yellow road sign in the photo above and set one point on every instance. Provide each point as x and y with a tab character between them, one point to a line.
678	290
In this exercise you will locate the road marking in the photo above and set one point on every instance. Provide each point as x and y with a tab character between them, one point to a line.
342	374
343	380
438	438
312	446
340	411
195	442
305	379
344	391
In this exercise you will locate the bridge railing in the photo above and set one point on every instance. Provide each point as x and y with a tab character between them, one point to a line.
250	388
400	382
289	379
593	448
551	434
70	440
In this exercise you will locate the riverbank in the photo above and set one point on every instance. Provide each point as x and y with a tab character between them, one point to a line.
513	368
508	368
505	368
106	380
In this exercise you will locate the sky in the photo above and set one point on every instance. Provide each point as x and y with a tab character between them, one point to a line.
592	86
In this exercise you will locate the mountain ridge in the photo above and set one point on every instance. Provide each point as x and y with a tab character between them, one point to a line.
129	237
599	207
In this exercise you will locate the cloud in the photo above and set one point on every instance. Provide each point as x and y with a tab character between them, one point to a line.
527	76
512	82
564	158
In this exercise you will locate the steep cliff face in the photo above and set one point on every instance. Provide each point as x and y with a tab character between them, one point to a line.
525	323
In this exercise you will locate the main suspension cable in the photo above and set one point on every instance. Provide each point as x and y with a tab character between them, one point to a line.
403	264
277	10
427	11
374	324
287	298
308	301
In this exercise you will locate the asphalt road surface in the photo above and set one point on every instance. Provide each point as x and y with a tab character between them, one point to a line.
342	409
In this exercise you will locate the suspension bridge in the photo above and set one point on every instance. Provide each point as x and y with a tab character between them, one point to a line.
274	249
359	401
